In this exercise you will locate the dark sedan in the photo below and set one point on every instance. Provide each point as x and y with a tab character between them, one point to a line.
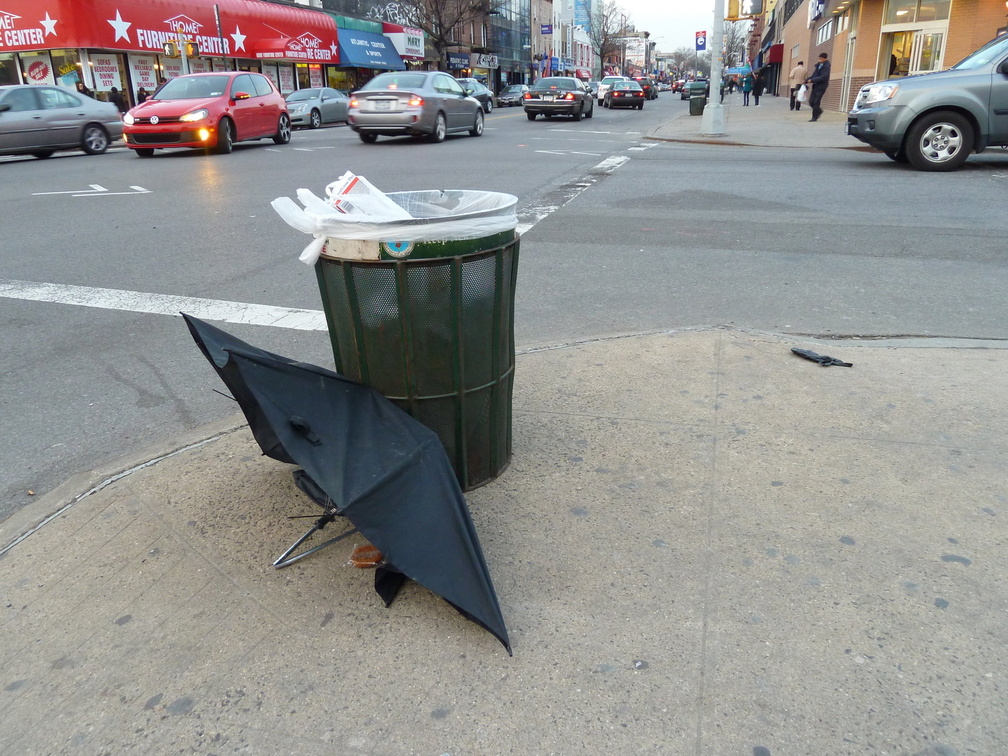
478	90
625	94
512	95
413	103
559	95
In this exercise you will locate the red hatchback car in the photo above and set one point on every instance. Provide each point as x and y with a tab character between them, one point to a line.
209	110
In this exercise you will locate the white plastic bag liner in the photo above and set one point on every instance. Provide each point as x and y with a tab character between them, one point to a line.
434	215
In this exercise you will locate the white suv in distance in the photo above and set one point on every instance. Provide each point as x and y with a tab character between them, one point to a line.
606	83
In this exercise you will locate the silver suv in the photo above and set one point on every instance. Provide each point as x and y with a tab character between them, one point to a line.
934	121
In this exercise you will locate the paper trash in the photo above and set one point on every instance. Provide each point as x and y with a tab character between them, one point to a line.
354	209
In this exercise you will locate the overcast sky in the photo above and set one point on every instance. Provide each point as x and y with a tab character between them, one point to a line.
672	23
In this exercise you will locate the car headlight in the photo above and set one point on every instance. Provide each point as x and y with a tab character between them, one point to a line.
128	119
880	93
299	108
196	115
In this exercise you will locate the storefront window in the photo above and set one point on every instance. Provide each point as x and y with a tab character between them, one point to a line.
66	66
916	11
8	69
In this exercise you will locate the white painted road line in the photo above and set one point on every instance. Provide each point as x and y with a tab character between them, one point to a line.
76	192
165	304
243	312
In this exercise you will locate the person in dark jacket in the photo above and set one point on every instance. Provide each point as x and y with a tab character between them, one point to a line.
818	82
142	95
758	85
117	99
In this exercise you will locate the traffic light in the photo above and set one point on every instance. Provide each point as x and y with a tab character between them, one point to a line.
192	49
171	49
733	10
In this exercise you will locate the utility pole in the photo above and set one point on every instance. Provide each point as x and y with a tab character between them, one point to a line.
713	120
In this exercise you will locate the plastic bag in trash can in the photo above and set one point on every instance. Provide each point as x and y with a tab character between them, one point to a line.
434	215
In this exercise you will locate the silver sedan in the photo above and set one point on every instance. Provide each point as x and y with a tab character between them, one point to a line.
427	104
316	106
39	120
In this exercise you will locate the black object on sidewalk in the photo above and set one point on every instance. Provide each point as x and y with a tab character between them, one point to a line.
822	359
367	461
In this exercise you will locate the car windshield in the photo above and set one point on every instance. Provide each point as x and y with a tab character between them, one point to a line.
554	83
609	80
515	89
303	94
627	85
192	88
985	55
396	81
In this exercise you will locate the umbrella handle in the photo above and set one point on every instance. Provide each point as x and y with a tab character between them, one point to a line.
283	561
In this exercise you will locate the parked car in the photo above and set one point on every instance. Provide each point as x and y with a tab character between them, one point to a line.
316	106
512	95
697	87
647	84
208	110
603	87
479	90
934	121
414	103
677	85
625	94
39	121
559	95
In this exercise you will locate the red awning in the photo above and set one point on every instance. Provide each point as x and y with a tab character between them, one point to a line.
775	54
248	28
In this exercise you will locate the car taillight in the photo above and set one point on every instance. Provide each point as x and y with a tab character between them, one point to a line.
415	102
354	103
527	96
615	94
569	96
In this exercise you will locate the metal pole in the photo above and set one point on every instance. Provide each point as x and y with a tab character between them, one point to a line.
713	119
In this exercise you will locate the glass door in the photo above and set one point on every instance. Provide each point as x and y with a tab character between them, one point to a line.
926	52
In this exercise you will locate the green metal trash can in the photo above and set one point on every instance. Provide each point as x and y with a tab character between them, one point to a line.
431	326
696	105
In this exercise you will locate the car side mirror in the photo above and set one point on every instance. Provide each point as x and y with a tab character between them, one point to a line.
1003	68
240	96
4	108
469	90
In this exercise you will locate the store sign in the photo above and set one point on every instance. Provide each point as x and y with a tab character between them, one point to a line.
105	69
458	61
409	43
481	60
246	29
38	68
143	72
286	78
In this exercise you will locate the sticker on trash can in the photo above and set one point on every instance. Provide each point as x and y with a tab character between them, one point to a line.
398	249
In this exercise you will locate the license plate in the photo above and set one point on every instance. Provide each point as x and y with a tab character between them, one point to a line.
383	105
548	98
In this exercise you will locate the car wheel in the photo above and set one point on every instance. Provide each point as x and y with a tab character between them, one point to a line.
530	116
368	138
315	120
95	140
225	136
489	106
591	111
144	151
440	129
641	106
576	114
283	132
43	154
477	129
939	141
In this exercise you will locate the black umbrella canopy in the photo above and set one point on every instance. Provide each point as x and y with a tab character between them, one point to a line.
381	469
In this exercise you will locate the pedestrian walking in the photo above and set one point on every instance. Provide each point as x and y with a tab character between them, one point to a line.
747	85
141	95
759	84
795	80
818	81
117	99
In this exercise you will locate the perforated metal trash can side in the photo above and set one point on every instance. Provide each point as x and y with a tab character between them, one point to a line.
435	334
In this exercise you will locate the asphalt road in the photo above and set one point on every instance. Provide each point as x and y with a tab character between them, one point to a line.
625	235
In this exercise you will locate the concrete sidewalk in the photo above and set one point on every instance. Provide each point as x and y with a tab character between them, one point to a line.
704	544
771	124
